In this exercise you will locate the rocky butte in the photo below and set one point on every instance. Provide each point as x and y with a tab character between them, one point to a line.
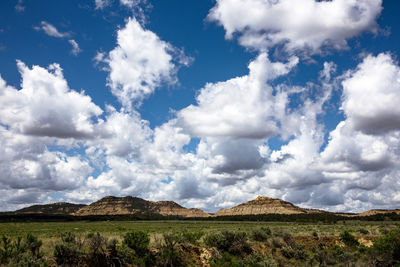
133	205
130	205
264	205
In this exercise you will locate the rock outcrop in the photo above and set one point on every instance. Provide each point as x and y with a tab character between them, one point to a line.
129	205
376	212
262	205
171	208
133	205
63	208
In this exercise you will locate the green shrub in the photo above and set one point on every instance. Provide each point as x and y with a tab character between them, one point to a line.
192	237
27	259
97	251
169	256
68	237
66	253
387	248
258	260
226	260
138	241
33	244
348	239
261	234
363	231
315	234
229	241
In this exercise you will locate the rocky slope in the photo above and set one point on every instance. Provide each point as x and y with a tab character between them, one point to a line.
133	205
375	212
263	205
129	205
63	208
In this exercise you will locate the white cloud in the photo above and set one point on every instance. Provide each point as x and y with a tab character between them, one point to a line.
51	30
139	64
75	47
241	107
364	149
100	4
372	95
28	164
130	3
298	24
46	106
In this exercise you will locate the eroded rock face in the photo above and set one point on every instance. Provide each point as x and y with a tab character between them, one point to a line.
133	205
63	208
262	205
375	212
171	208
115	206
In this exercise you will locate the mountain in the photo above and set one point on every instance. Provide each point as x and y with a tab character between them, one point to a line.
377	211
63	208
133	205
130	205
264	205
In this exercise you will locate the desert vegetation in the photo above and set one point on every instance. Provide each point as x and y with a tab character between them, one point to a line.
197	243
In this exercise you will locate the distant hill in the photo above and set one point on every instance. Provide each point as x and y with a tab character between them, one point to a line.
262	205
133	205
122	207
377	211
60	208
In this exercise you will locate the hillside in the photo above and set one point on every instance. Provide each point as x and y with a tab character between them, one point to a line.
263	205
129	205
63	208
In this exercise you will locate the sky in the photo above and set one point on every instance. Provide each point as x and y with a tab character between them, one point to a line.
207	103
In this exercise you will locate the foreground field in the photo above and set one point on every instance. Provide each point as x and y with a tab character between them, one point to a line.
197	243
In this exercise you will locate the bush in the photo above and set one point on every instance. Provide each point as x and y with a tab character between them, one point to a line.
192	237
261	234
138	241
348	239
97	251
169	256
33	244
226	260
25	260
66	253
387	248
229	241
68	237
258	260
291	249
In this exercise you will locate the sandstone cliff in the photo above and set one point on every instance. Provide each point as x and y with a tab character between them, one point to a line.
262	205
63	208
133	205
375	212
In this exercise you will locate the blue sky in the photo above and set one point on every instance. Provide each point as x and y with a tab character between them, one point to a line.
207	103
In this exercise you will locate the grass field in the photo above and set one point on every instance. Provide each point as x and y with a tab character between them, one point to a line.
45	230
49	232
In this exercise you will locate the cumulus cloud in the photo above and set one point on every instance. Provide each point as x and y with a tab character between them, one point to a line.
241	107
28	164
75	47
139	64
46	106
363	150
100	4
51	30
297	24
372	95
